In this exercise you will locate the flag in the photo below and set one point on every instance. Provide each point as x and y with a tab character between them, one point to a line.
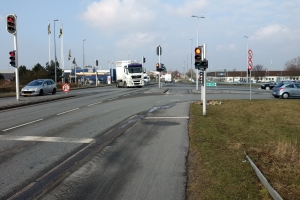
69	57
74	61
60	32
49	31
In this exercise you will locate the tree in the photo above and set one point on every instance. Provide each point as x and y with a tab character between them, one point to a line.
293	65
51	70
1	76
39	71
258	71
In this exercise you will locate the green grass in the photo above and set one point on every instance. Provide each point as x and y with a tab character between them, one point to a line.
268	130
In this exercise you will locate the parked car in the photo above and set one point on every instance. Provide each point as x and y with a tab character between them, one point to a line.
39	87
286	90
268	86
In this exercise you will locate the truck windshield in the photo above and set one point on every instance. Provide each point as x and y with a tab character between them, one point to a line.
135	68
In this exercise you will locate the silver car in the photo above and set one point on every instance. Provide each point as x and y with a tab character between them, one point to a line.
39	87
286	90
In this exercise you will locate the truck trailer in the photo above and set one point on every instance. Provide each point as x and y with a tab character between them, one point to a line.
129	73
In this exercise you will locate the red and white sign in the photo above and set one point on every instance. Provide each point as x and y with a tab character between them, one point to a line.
65	87
250	64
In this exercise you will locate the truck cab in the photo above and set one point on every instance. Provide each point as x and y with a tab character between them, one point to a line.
129	74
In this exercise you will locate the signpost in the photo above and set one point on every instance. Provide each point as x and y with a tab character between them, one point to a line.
65	87
250	66
158	52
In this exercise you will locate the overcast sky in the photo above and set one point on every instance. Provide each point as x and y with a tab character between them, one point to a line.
121	29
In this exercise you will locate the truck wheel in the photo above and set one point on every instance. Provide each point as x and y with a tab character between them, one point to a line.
117	84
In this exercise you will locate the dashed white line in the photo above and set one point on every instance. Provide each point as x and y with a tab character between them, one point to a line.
67	111
95	103
184	117
47	139
112	98
23	124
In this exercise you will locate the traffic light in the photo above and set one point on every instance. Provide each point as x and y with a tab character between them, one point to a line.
198	57
12	58
204	64
157	66
144	59
96	62
11	24
201	77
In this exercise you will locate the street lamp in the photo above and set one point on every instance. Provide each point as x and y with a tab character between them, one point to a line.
128	57
55	52
187	65
83	57
197	71
202	16
247	59
191	56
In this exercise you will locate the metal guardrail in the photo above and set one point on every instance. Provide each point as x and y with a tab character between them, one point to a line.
263	180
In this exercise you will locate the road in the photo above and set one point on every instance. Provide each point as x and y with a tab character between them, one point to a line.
63	149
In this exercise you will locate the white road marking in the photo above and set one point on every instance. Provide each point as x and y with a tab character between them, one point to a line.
95	103
112	98
67	111
184	117
47	139
23	124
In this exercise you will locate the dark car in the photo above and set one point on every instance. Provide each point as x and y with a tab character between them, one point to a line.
268	86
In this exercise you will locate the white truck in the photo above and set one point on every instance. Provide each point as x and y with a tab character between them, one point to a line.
168	78
129	73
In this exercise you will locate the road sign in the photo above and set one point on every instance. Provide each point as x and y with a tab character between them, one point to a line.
250	54
212	84
66	87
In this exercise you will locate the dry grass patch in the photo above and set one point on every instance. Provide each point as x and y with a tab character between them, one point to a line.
268	130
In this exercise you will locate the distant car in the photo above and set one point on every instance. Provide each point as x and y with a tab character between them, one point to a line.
146	79
39	87
286	90
268	86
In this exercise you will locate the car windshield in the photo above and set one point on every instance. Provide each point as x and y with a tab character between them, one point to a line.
35	83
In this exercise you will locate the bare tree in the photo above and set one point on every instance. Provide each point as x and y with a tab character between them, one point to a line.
258	71
293	65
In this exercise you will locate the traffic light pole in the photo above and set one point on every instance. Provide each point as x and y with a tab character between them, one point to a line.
17	68
159	86
203	87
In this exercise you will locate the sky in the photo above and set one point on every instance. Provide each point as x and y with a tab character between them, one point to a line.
116	30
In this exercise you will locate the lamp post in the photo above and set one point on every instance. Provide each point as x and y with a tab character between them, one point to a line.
55	52
128	57
83	58
191	56
202	16
247	59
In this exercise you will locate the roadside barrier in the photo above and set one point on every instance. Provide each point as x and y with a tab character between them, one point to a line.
263	180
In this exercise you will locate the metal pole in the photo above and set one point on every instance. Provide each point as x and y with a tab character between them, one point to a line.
83	60
204	83
159	86
55	51
191	57
197	71
247	60
187	64
17	68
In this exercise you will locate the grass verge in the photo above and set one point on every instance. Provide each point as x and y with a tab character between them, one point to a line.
268	130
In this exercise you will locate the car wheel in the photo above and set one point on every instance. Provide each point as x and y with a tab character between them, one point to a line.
267	88
54	91
41	93
285	95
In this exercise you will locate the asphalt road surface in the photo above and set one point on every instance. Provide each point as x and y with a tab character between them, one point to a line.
101	143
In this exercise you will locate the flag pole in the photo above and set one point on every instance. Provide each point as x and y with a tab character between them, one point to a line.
62	53
49	32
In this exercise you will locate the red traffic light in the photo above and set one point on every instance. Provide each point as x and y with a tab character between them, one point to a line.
11	24
12	54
